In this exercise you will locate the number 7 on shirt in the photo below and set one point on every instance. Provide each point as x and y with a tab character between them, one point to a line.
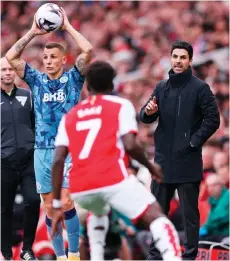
93	126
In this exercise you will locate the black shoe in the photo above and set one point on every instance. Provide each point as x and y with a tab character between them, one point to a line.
7	258
27	255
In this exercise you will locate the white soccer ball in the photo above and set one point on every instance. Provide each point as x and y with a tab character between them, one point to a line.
49	17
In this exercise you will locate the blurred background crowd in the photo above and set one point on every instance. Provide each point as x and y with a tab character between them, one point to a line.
135	37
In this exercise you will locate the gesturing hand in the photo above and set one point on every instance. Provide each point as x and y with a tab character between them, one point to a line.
151	107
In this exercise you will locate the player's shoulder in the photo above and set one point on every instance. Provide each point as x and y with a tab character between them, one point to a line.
71	77
73	71
30	69
41	77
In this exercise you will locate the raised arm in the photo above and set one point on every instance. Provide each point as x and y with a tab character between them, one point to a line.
14	54
84	58
149	113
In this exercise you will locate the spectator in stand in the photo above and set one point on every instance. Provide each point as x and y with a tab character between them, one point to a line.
217	226
215	161
208	153
220	160
225	145
223	173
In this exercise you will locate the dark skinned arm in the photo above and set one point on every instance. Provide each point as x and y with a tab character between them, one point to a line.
137	153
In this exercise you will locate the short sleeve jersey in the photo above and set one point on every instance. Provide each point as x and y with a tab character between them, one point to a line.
52	99
93	132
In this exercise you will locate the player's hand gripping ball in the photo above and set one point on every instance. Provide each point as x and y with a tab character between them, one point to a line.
49	17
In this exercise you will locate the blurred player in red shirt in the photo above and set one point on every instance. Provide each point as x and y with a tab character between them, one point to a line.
99	133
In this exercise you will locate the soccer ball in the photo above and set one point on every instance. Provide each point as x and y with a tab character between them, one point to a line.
49	17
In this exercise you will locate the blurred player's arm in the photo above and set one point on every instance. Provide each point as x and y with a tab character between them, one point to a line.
57	175
128	129
14	54
60	154
86	48
137	153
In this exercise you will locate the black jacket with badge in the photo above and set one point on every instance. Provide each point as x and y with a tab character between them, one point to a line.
187	114
17	127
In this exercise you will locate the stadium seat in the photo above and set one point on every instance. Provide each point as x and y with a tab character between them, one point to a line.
214	251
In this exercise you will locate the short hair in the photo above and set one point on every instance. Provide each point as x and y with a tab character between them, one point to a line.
183	45
99	76
55	45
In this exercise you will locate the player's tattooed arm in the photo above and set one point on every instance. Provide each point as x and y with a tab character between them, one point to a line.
13	55
17	49
86	48
82	61
79	39
21	44
137	152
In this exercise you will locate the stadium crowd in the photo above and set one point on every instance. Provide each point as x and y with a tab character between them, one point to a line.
135	37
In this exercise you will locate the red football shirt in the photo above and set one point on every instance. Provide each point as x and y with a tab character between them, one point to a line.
92	131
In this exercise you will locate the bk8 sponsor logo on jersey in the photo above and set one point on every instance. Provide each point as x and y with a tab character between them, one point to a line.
58	96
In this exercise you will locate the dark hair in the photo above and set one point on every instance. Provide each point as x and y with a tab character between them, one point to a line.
183	45
55	45
99	77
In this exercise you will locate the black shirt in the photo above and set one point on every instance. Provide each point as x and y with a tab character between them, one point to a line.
17	127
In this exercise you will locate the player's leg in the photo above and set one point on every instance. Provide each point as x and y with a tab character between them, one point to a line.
72	225
97	229
9	184
70	216
135	201
163	194
42	165
97	222
164	233
57	241
32	209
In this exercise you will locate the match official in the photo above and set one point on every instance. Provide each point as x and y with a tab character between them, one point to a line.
17	162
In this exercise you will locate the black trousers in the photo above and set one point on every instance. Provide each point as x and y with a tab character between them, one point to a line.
188	196
11	178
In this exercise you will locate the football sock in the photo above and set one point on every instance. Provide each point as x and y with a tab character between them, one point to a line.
72	227
166	239
57	241
97	228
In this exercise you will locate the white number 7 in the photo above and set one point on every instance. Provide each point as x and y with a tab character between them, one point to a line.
93	126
